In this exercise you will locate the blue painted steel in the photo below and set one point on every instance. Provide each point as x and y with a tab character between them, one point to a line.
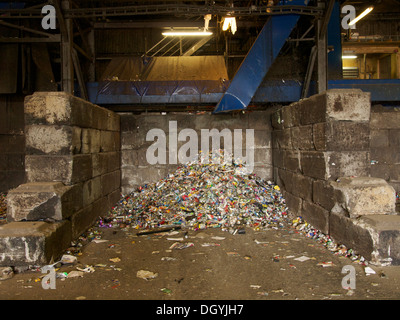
382	90
12	5
258	61
335	43
282	91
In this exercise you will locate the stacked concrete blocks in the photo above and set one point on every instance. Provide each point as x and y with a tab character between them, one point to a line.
385	146
72	163
321	157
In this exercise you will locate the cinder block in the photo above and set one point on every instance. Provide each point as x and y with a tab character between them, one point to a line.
291	116
69	169
293	203
114	197
382	171
257	120
323	194
42	168
347	164
81	168
394	138
90	140
312	110
346	231
379	138
302	186
264	172
110	182
109	141
129	122
49	139
302	138
319	136
41	200
50	108
281	139
385	120
385	155
376	237
33	243
82	220
347	136
348	105
284	180
292	161
317	216
129	158
314	164
359	196
91	191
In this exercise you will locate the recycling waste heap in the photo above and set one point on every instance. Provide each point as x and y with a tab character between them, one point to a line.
199	195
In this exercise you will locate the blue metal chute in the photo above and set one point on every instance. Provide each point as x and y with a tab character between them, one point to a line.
258	60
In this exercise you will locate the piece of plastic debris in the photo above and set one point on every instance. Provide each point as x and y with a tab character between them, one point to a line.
168	259
68	259
325	264
302	258
218	238
146	275
368	271
207	244
255	286
180	246
166	290
75	273
116	259
87	269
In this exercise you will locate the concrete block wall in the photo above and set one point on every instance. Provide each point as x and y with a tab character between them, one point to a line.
385	146
137	171
317	140
74	142
322	152
12	141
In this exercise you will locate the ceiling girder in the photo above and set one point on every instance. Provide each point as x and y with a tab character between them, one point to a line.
167	9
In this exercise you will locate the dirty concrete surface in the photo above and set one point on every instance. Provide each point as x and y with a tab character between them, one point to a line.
256	265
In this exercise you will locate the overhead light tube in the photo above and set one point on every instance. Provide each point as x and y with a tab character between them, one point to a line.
362	15
349	57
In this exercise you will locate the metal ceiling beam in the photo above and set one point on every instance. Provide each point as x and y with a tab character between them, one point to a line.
167	9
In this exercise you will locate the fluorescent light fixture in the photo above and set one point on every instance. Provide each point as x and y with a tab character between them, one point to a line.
349	57
229	22
362	15
186	33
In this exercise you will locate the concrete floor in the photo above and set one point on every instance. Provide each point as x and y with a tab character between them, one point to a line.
257	265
